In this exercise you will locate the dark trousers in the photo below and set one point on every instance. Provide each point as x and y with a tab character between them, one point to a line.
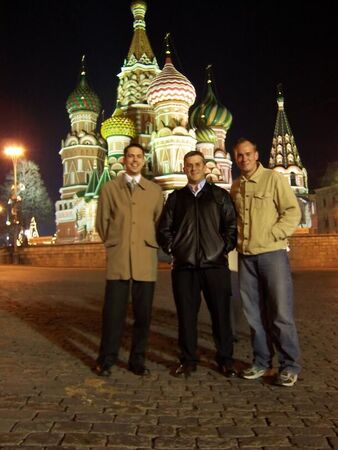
114	316
215	285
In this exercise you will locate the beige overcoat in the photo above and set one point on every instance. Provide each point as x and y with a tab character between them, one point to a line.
126	224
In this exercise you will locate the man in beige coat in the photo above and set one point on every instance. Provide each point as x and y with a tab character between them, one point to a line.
128	210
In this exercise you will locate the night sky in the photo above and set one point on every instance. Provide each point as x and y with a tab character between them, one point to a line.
252	46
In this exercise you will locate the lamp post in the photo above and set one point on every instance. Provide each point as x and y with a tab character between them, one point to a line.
14	153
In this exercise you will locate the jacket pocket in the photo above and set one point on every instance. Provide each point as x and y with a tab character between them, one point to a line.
112	242
261	199
151	243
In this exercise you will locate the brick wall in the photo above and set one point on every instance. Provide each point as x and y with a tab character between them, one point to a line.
308	251
314	251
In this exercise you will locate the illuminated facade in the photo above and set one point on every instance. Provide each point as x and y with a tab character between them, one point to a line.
284	158
152	109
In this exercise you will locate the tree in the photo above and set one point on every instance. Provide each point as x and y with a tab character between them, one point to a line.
35	201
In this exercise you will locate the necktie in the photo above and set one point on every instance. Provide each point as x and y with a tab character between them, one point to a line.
132	184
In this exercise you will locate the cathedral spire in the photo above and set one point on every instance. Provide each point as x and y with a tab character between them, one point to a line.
284	152
140	49
140	66
284	156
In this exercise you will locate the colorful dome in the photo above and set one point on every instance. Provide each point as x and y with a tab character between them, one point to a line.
118	125
215	114
170	85
83	98
206	134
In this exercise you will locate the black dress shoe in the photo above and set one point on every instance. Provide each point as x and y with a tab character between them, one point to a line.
102	370
227	370
184	370
139	370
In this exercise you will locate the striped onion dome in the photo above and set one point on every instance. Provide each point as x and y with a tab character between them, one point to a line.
118	125
215	114
83	98
206	134
170	85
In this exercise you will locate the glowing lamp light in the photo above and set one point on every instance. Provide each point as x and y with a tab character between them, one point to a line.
14	152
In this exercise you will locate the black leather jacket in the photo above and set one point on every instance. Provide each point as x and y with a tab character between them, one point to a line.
198	231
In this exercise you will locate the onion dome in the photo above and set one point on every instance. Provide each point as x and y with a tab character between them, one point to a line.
170	86
206	134
83	98
118	125
215	114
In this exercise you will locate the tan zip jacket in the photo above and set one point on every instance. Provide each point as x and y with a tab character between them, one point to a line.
267	211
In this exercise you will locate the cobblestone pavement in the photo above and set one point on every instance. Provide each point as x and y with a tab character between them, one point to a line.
50	399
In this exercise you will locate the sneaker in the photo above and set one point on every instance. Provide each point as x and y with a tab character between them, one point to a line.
252	373
287	379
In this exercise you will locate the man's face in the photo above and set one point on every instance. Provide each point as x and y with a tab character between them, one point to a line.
194	168
246	157
134	161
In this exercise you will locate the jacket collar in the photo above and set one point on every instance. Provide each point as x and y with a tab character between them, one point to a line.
256	175
123	185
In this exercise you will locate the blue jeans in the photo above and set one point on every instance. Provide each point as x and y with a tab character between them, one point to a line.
266	290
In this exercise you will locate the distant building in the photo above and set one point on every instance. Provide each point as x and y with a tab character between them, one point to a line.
152	109
327	209
284	158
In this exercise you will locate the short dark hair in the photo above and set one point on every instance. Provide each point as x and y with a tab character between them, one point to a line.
133	145
194	153
241	140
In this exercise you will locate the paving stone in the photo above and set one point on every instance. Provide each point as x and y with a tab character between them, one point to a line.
71	427
235	431
178	421
43	439
197	431
333	441
313	431
6	425
111	428
11	438
85	417
46	416
216	443
272	431
310	442
263	441
84	439
128	440
177	442
149	420
156	430
31	426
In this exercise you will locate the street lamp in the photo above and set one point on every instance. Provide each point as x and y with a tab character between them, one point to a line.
14	153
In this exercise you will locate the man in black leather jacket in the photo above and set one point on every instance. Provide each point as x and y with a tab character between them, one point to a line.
198	228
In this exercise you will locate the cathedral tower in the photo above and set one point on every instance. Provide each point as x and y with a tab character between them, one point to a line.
284	158
171	94
212	121
139	69
82	149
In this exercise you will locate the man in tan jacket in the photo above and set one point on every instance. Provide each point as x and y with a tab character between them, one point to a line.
128	210
267	213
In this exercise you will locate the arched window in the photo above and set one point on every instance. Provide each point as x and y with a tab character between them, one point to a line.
293	179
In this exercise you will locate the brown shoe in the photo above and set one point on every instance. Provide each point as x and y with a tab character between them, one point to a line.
227	370
102	370
139	370
184	370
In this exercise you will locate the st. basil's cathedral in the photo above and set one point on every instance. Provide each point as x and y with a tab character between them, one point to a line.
156	109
